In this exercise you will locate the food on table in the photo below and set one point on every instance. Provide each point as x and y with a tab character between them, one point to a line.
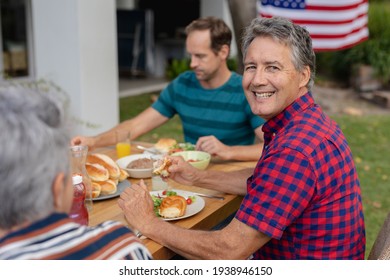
168	209
107	162
96	189
160	167
173	206
105	174
124	175
97	172
180	147
107	187
164	144
142	163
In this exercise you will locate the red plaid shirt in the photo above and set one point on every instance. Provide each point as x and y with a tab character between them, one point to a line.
305	192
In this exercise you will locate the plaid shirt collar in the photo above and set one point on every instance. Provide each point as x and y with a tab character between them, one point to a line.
272	126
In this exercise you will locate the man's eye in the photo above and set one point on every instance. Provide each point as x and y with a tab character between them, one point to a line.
249	67
272	68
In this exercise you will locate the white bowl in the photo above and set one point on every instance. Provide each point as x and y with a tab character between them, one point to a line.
136	173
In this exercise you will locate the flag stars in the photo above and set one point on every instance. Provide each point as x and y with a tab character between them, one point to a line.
288	4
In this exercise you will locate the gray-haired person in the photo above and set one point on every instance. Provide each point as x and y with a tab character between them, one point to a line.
303	199
36	191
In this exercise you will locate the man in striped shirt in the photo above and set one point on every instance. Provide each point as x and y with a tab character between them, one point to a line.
209	101
36	192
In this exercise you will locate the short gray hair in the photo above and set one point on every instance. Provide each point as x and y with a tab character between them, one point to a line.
294	36
34	141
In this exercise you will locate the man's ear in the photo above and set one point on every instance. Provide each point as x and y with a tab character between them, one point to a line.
224	52
305	77
58	190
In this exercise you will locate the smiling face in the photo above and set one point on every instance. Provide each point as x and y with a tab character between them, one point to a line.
270	80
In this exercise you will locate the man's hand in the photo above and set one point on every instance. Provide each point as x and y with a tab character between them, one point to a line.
213	146
137	206
83	141
183	172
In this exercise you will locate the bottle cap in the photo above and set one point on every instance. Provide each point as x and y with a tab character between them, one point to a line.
77	179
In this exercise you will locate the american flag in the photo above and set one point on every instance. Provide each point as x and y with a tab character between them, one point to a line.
332	24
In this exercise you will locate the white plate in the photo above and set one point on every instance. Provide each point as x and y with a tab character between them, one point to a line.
136	173
120	188
192	209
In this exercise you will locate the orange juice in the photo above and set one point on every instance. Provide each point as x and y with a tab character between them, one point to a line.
123	149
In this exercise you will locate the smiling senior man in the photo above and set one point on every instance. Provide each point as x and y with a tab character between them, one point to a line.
303	199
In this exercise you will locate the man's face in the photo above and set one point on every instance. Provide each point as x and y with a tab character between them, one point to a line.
204	62
270	80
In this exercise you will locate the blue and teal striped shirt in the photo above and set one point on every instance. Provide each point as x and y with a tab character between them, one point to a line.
223	112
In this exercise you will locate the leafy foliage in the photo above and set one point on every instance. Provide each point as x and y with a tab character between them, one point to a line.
374	52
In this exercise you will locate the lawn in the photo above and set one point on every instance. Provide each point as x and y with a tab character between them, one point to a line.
368	136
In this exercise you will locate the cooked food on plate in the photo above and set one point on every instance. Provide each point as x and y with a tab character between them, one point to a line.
160	167
173	206
142	163
164	144
180	147
107	187
107	162
96	189
97	172
170	205
105	174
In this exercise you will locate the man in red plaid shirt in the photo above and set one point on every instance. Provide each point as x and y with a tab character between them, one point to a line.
303	199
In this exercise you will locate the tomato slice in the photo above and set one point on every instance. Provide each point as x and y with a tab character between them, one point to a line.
189	201
164	192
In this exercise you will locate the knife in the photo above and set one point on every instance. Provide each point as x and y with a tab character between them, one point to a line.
210	196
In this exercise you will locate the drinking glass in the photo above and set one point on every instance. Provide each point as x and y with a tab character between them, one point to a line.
123	144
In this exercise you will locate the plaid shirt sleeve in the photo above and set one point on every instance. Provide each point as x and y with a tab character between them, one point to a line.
278	192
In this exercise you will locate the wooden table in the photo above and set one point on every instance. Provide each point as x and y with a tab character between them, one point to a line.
213	213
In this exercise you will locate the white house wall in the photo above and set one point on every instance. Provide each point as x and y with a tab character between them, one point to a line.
75	47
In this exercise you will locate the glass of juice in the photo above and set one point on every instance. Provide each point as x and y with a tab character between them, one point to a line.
123	144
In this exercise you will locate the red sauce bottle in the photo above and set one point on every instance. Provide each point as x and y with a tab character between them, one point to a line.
79	212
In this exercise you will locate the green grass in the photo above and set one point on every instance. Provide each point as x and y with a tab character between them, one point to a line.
368	137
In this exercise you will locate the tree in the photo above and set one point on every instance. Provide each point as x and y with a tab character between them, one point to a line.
242	13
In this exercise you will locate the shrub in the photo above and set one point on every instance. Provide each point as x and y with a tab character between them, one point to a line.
374	52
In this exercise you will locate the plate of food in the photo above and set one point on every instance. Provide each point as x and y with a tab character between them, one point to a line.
119	189
169	146
173	205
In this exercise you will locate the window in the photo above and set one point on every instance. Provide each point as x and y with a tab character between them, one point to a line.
15	40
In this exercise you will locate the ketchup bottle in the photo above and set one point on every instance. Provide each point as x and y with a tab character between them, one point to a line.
79	212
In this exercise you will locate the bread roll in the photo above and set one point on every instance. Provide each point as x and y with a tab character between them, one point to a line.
173	206
123	175
107	187
164	144
107	162
161	167
97	172
96	189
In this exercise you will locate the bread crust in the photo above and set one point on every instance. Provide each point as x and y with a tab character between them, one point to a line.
164	144
96	189
161	168
97	172
173	206
107	162
107	187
